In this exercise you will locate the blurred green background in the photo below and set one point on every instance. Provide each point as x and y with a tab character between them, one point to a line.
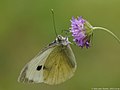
26	27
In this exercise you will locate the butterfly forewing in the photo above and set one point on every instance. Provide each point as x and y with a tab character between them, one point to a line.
30	73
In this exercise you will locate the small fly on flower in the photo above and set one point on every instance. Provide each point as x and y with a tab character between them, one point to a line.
82	31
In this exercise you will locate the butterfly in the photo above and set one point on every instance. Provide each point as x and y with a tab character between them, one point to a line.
53	65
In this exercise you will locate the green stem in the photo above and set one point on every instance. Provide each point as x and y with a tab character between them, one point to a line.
101	28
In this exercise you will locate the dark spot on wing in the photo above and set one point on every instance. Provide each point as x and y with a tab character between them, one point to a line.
39	68
31	81
44	68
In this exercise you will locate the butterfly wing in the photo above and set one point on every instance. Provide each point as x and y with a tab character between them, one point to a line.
59	66
33	71
54	65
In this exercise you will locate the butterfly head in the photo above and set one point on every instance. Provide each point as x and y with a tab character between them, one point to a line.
62	40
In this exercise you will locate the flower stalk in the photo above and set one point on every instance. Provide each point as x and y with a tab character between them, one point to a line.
108	31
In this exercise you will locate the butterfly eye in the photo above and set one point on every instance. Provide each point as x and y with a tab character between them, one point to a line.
39	68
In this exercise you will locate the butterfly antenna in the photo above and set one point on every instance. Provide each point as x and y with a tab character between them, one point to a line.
54	22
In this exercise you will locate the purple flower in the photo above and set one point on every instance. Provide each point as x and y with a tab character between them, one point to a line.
81	32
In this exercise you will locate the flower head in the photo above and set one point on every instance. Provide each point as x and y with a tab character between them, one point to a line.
81	31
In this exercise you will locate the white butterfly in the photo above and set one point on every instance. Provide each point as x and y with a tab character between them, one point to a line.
53	65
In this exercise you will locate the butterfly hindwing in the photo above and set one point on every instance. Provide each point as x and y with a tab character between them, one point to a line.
59	66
